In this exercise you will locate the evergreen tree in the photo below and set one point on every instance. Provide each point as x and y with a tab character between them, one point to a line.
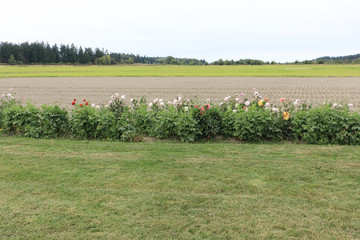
73	54
89	56
12	60
98	53
81	56
63	53
25	53
56	53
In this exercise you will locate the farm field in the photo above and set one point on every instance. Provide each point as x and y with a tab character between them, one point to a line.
182	71
66	189
99	89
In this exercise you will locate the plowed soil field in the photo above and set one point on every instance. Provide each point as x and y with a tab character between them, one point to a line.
99	89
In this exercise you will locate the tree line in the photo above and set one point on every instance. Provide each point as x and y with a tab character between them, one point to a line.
44	53
241	62
349	59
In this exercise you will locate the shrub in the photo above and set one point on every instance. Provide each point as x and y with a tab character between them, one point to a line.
208	119
327	125
6	101
244	118
228	123
187	128
142	119
54	121
106	125
118	106
257	124
12	60
22	119
84	121
126	128
350	133
164	123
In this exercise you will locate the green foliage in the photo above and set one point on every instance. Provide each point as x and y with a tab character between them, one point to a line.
327	125
308	62
84	122
104	60
187	128
12	60
208	119
228	123
349	59
164	123
118	107
239	62
126	128
181	61
257	124
22	119
54	121
106	125
9	116
142	119
7	101
43	53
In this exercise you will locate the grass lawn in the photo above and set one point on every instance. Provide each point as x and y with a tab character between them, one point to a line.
67	189
181	71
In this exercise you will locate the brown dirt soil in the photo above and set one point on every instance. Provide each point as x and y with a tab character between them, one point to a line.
99	89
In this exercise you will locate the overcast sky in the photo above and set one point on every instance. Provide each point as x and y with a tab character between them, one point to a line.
280	30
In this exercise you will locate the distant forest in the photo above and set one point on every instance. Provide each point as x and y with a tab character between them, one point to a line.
343	59
44	53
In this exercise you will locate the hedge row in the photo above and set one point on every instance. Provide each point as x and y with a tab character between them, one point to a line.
246	120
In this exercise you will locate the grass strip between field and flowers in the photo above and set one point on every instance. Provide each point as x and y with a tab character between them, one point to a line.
67	189
281	70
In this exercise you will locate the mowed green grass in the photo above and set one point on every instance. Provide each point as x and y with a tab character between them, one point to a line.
181	71
67	189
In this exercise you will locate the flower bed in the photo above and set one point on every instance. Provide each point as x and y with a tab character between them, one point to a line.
251	119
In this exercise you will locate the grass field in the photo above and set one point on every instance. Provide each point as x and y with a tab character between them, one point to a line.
66	189
181	71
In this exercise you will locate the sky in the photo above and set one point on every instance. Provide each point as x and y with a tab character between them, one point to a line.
279	30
